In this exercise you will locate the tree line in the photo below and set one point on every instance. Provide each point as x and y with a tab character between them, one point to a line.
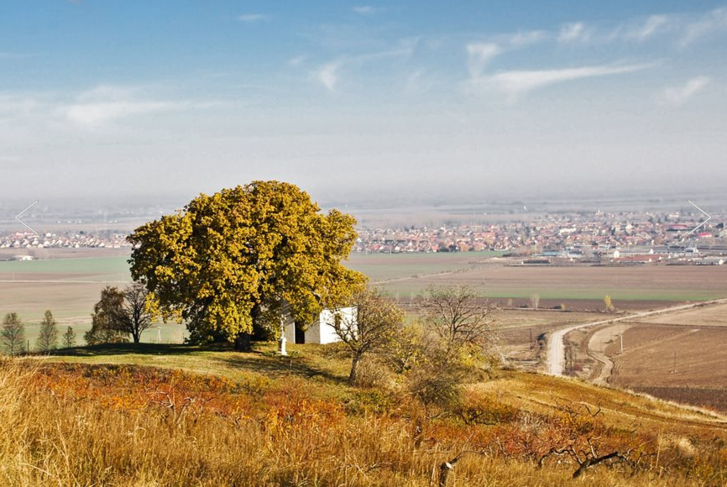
13	340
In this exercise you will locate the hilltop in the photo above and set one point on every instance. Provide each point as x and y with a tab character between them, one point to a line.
179	415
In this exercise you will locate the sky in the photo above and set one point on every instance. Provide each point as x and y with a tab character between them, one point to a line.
355	101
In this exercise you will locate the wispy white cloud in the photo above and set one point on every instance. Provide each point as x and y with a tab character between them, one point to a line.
653	25
573	32
367	10
520	82
479	55
523	38
679	95
327	75
712	22
251	18
105	104
92	115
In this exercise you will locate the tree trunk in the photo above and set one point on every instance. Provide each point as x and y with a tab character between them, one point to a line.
354	367
242	342
243	339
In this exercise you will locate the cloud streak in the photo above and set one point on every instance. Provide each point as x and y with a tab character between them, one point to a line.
679	95
573	32
479	55
711	23
653	25
104	104
517	83
252	18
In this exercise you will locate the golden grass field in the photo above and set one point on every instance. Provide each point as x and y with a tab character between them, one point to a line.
211	417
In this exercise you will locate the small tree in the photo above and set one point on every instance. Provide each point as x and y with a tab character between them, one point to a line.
69	338
12	334
377	320
103	324
535	301
133	317
456	314
608	302
48	336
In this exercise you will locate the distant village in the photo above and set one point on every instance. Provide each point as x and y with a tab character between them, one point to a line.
616	237
67	240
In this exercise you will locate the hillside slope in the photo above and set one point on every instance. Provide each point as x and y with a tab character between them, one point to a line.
164	415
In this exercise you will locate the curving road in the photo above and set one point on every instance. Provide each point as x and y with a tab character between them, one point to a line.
556	348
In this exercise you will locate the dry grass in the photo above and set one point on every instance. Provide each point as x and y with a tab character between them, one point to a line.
128	425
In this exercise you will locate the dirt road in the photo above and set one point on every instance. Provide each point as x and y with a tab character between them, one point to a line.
556	347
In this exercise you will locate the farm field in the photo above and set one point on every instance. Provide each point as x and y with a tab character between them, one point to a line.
386	267
702	316
684	363
579	287
71	286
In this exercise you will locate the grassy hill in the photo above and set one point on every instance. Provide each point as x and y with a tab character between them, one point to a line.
176	415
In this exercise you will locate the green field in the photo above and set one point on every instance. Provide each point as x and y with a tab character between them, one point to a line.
94	269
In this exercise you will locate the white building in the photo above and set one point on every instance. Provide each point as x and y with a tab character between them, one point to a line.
320	331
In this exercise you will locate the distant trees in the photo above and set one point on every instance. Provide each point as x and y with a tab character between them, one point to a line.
12	334
48	334
69	338
118	314
377	320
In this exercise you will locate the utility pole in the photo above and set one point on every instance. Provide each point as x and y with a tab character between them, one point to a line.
621	339
675	362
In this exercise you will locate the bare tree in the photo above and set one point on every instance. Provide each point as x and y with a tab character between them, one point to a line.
456	313
48	336
12	334
118	314
376	320
133	317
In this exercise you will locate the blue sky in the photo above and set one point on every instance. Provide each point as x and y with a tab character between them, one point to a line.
355	100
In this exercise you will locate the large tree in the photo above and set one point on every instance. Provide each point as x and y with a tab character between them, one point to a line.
230	262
